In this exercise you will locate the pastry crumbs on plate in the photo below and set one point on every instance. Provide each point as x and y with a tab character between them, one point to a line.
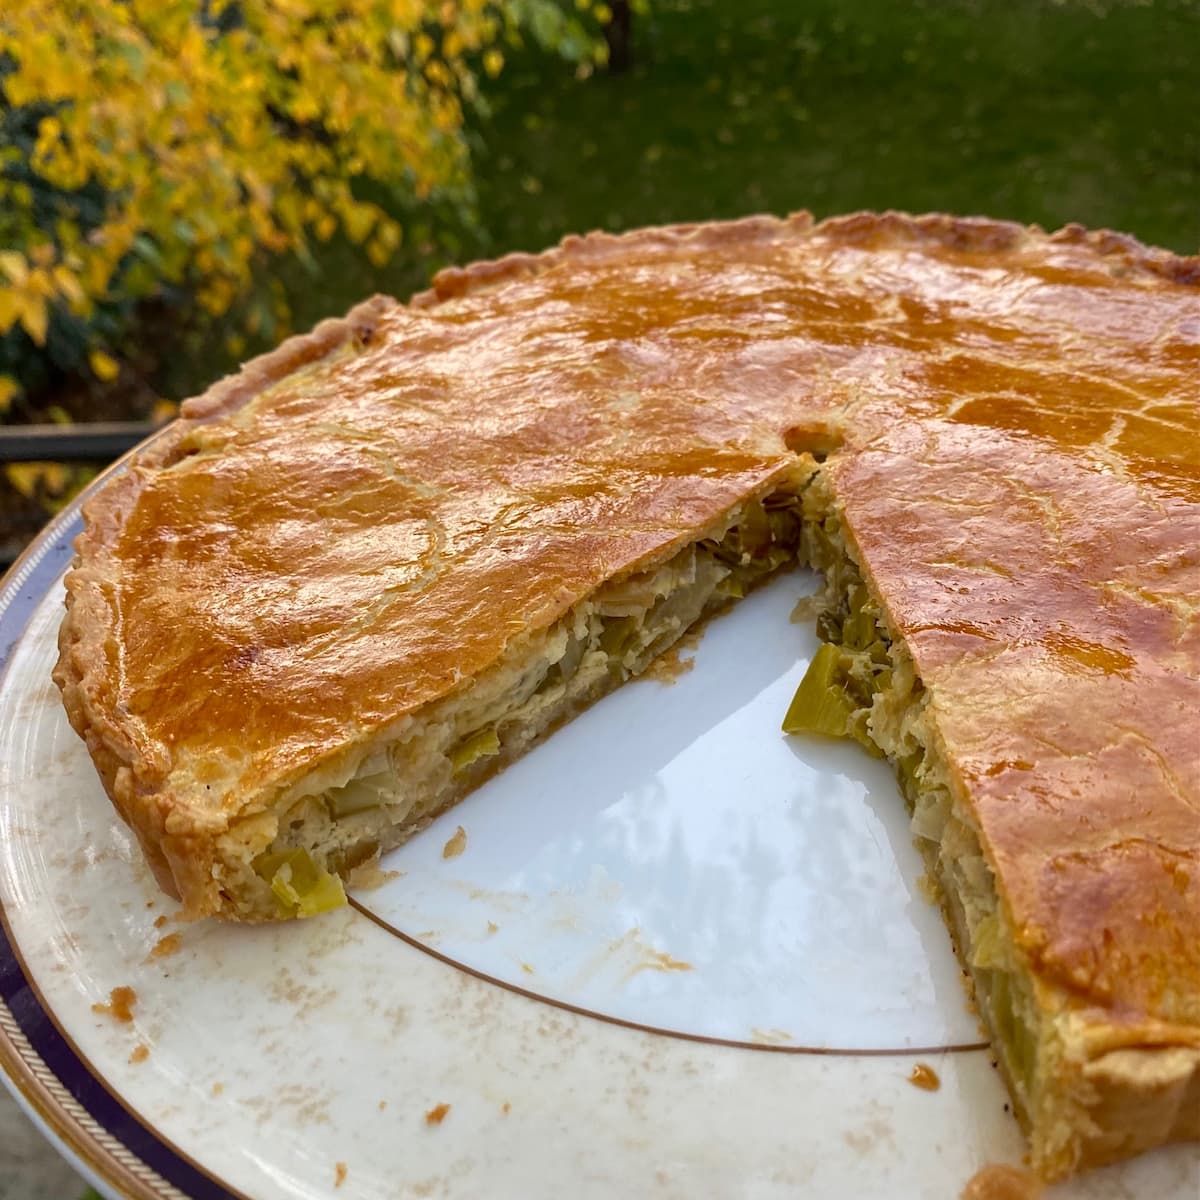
217	1088
368	876
166	946
160	920
669	665
999	1181
924	1077
456	845
141	1052
437	1114
506	1108
339	1174
120	1004
658	960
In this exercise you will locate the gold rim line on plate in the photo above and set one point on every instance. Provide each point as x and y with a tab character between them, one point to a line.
679	1034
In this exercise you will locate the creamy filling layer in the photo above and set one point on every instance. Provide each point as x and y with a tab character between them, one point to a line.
336	820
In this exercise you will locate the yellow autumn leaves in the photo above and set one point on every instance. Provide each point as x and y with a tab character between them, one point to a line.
28	286
216	134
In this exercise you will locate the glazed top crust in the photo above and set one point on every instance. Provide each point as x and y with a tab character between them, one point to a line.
368	517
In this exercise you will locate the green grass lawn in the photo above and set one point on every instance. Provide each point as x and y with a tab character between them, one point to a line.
1038	111
1028	109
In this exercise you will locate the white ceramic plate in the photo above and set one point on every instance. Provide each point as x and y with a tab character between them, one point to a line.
680	955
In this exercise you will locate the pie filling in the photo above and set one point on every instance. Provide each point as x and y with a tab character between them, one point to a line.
862	684
335	821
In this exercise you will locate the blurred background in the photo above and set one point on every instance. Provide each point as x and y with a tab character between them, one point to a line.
182	184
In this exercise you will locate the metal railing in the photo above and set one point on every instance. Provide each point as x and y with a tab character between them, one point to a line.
93	442
99	441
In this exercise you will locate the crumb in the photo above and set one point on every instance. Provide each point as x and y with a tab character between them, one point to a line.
339	1174
998	1181
149	903
160	920
669	666
528	969
166	946
924	1077
217	1088
658	960
141	1052
437	1114
456	845
506	1108
492	927
382	1105
120	1004
368	876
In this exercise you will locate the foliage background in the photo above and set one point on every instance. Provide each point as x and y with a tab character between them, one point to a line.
164	162
1038	110
168	151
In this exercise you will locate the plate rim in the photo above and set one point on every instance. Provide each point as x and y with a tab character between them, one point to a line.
89	1142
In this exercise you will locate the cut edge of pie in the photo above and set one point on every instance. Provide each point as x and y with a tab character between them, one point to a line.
1088	1089
1085	1092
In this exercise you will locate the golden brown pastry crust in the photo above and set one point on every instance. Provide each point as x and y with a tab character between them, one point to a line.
89	671
300	562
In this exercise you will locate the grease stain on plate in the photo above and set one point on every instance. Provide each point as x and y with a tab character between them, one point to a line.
770	1037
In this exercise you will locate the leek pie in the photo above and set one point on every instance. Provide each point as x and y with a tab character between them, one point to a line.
363	574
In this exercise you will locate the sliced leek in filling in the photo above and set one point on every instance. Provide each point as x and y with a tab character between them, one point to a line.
300	887
337	819
862	684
